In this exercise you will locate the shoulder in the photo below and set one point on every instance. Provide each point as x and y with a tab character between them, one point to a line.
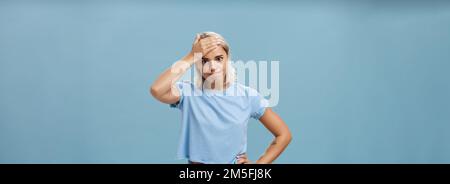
248	91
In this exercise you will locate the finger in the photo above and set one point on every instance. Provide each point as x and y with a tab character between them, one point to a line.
205	42
243	156
246	161
210	40
209	46
213	43
240	161
197	38
216	37
209	49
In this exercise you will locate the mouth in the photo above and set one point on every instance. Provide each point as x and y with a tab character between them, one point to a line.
212	75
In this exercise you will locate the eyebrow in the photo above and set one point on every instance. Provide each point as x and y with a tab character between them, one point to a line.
221	55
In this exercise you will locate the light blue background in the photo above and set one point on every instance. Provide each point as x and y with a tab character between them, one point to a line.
361	81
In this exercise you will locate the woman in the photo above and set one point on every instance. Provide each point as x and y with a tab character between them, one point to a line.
216	109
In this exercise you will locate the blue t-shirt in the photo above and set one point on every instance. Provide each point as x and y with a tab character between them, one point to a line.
214	123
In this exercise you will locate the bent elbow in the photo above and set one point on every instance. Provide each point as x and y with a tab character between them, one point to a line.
154	91
287	137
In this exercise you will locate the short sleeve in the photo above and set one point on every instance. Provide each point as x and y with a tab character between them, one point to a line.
258	105
181	88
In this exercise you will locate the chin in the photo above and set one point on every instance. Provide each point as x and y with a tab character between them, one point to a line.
213	77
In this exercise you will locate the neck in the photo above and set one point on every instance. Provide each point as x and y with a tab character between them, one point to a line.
213	85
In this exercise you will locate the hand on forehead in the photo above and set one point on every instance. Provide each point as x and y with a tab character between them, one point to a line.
216	51
213	40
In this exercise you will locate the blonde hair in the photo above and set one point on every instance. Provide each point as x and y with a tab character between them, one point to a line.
230	75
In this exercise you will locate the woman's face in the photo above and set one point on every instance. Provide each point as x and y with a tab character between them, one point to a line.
213	65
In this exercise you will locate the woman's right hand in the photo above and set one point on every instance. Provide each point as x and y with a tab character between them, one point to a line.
202	46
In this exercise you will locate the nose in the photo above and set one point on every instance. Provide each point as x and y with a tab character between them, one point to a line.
213	66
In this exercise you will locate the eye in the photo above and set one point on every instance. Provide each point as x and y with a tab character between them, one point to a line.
220	58
204	61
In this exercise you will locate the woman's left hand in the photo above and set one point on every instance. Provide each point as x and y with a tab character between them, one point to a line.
242	159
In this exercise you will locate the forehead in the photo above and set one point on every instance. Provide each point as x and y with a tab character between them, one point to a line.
217	51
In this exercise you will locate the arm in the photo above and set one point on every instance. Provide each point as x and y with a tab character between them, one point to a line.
283	137
164	89
280	130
